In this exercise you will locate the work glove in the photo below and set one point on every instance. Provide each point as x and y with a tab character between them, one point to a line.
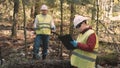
74	43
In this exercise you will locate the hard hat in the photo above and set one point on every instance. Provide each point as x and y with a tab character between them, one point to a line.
78	19
44	7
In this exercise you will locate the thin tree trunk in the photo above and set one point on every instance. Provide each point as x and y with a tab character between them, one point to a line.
14	34
97	17
94	11
37	7
1	61
71	18
32	9
32	12
111	8
24	25
71	22
61	26
16	7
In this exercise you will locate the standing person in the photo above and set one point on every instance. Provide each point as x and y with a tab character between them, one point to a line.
43	26
84	56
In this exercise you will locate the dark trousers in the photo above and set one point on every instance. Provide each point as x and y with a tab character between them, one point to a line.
41	41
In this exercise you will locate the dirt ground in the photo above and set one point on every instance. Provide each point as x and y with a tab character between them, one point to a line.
14	54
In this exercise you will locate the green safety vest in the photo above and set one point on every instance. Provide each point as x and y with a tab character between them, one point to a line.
81	58
44	24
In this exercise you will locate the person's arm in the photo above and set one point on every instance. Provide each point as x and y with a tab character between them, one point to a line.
89	46
53	28
35	23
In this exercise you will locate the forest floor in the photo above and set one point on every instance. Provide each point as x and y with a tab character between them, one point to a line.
15	54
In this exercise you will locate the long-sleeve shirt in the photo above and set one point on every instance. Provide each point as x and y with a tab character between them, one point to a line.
52	23
90	44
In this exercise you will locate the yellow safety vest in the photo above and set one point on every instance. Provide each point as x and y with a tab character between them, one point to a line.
81	58
44	24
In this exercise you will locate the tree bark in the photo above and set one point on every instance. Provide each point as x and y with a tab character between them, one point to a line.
72	10
97	17
16	7
61	26
37	7
71	18
23	2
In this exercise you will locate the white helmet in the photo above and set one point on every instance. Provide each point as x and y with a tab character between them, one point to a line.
44	7
78	19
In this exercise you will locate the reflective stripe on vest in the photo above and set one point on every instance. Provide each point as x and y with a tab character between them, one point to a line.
44	25
84	57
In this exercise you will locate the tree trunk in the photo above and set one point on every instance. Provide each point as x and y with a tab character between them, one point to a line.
1	61
72	10
111	8
93	11
32	12
24	25
97	16
71	18
16	7
14	34
61	26
37	7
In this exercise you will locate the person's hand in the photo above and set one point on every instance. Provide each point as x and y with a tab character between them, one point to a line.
74	43
53	31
